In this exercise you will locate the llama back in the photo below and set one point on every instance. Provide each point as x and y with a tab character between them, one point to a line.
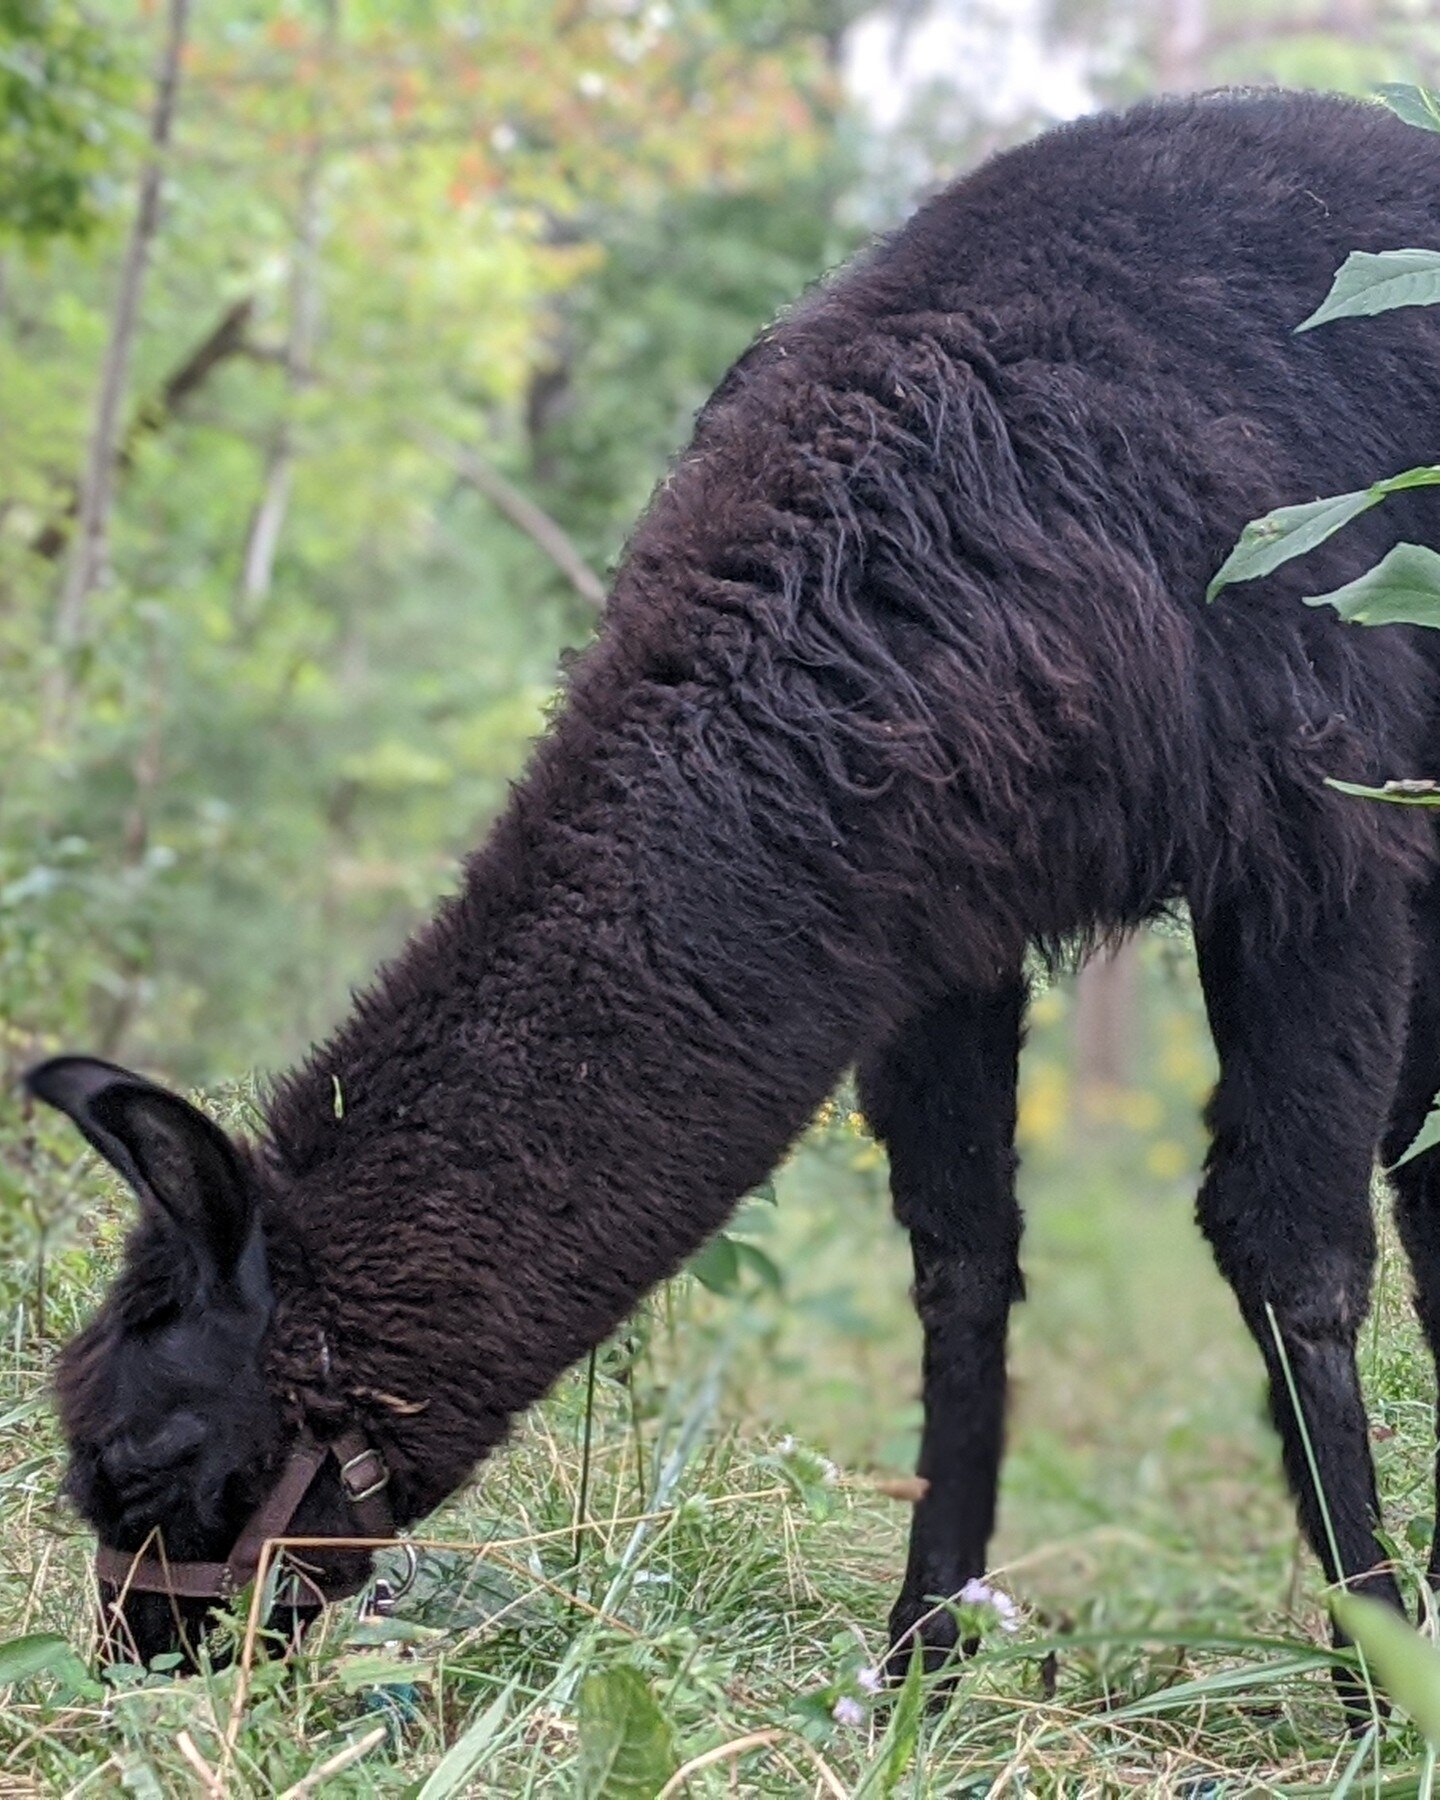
944	533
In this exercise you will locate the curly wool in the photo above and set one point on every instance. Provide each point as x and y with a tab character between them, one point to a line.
907	673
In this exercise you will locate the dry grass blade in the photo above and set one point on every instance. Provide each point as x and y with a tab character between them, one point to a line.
731	1752
188	1748
342	1759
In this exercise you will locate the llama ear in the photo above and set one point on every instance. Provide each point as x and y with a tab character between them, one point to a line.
175	1158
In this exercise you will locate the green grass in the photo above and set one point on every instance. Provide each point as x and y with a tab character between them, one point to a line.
1173	1635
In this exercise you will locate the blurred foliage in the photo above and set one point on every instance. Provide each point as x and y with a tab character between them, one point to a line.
538	232
62	83
403	241
414	260
401	244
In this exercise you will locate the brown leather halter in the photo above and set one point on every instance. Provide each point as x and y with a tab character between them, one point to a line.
364	1478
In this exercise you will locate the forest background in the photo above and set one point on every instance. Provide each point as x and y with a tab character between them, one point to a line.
322	421
341	343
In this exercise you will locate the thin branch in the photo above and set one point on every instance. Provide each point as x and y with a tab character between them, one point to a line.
87	563
228	338
523	514
225	339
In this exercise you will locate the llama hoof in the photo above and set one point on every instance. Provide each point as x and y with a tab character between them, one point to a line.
1363	1702
929	1631
1364	1706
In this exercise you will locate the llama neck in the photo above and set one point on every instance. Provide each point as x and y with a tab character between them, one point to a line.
558	1092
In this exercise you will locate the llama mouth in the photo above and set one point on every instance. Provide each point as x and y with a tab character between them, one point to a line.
153	1634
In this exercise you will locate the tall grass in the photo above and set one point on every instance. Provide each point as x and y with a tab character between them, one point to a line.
696	1600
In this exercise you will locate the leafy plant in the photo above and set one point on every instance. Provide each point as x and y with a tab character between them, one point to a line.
1404	587
627	1750
46	1653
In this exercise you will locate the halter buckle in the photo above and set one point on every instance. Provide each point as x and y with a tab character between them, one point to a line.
363	1475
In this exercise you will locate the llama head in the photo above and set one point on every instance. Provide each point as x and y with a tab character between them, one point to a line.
174	1432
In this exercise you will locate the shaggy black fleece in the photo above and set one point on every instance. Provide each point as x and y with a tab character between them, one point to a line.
907	673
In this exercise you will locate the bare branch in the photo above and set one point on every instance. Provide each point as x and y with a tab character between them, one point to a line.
225	339
523	514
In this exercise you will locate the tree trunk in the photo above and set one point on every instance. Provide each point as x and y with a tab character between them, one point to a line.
267	522
1179	52
1106	1007
87	564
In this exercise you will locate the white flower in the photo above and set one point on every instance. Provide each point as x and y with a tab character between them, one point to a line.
504	138
591	84
871	1681
980	1593
847	1711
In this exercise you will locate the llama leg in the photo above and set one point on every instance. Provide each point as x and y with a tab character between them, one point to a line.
942	1098
1417	1183
1308	1039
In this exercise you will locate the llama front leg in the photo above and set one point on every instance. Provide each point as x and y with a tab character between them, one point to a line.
1308	1040
942	1099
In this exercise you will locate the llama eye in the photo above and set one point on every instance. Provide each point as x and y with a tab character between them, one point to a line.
136	1454
180	1434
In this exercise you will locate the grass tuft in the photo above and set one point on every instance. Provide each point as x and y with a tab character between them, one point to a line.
675	1579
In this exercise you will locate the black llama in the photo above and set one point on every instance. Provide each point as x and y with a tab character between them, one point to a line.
907	675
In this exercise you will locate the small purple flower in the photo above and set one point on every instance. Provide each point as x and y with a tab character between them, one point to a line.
980	1593
848	1712
870	1681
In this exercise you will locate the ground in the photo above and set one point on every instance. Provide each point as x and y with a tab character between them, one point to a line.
742	1534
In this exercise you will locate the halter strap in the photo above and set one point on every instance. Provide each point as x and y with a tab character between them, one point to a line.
364	1479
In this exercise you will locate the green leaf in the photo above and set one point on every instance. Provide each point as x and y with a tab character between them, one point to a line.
902	1736
761	1266
453	1771
26	1409
32	1655
359	1672
1408	1666
1403	588
1427	475
1286	533
1370	282
45	1653
1415	105
376	1631
1289	531
1425	1138
717	1266
1398	793
626	1748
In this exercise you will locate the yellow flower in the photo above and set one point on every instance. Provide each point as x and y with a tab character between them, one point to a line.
1044	1104
1167	1159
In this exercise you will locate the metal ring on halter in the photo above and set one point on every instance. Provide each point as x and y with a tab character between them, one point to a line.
384	1593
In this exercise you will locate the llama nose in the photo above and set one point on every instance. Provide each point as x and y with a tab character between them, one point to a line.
138	1628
